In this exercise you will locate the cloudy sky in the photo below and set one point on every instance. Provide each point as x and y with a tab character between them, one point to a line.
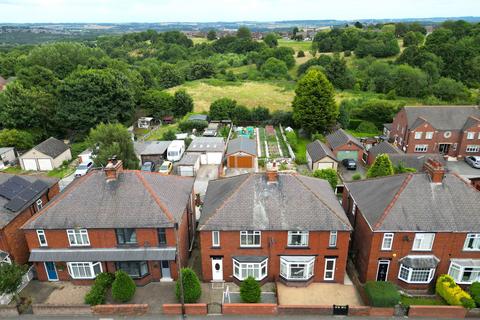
227	10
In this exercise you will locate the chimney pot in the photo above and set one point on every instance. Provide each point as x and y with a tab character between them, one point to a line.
113	168
272	172
435	170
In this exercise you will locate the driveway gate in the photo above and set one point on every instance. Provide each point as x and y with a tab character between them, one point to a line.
340	310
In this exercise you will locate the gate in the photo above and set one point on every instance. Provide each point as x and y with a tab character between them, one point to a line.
214	308
340	310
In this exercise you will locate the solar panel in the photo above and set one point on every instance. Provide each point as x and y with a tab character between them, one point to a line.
6	192
15	204
13	186
19	181
27	194
39	186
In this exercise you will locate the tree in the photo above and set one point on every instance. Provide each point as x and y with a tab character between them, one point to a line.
169	135
271	40
123	287
244	33
338	73
10	278
19	139
168	76
294	32
250	290
38	76
260	114
376	111
201	69
314	107
450	90
191	286
108	140
274	68
367	126
358	25
381	167
221	109
327	174
410	82
158	103
182	103
300	54
344	115
212	35
413	39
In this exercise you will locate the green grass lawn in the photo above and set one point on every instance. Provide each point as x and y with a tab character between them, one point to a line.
199	40
295	45
363	134
14	170
158	134
408	301
61	172
301	152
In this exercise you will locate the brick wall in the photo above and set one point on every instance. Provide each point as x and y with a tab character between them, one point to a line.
190	308
249	309
273	244
121	309
7	311
452	312
64	309
305	309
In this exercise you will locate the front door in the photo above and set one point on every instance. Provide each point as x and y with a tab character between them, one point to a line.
217	269
166	275
51	271
382	271
443	148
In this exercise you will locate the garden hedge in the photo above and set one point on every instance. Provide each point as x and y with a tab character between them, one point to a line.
382	294
475	292
123	287
96	294
250	290
452	293
191	286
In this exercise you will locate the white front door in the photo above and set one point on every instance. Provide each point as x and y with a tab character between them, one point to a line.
217	269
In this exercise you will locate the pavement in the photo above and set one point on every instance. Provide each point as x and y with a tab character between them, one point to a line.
348	174
63	183
462	169
204	175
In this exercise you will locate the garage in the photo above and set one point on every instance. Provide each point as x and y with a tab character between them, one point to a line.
347	154
188	165
29	164
239	161
242	153
46	156
319	156
324	165
45	164
345	146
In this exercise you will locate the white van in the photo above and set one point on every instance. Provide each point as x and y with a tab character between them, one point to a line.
175	150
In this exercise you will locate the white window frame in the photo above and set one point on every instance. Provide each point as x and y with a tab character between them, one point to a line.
429	135
332	240
476	242
88	267
41	233
248	268
354	208
411	272
39	204
215	239
332	270
253	234
418	135
470	135
421	147
286	271
460	270
78	234
472	148
304	238
387	236
421	237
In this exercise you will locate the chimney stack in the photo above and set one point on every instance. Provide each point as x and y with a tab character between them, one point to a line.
435	170
113	168
272	172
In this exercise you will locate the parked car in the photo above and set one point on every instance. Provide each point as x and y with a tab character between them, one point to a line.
473	161
166	167
350	164
148	166
83	169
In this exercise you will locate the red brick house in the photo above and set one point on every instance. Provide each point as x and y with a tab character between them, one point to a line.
114	219
21	197
274	227
346	146
449	130
410	228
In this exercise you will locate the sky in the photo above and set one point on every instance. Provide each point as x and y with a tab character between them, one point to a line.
18	11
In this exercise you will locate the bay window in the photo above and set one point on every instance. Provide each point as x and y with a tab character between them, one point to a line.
297	267
423	241
415	275
298	238
242	269
78	237
472	148
421	148
84	270
472	242
250	238
465	271
135	269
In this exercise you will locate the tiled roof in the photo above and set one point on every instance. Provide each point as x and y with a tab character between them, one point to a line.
383	147
52	147
319	150
410	202
242	144
441	117
341	137
151	147
414	160
136	199
207	144
249	202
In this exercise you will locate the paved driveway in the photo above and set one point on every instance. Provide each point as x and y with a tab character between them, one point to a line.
348	174
204	174
319	294
63	183
463	169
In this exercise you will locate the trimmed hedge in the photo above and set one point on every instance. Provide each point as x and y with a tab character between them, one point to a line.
97	292
452	293
382	294
191	286
123	287
475	292
250	290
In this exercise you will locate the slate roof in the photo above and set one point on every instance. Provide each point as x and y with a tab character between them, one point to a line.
319	150
415	160
189	159
207	144
5	149
341	137
295	202
441	117
410	202
471	121
383	147
151	147
242	144
52	147
7	215
136	199
198	117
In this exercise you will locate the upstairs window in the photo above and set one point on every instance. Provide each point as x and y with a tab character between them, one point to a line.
298	238
418	135
250	238
162	236
126	236
470	135
472	242
423	241
39	204
429	135
78	237
332	241
215	238
387	241
42	239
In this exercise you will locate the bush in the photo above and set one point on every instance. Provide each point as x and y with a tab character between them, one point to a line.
300	54
97	292
452	293
189	125
123	287
292	139
357	176
474	289
191	286
354	123
347	53
169	135
250	290
382	294
367	127
105	279
327	174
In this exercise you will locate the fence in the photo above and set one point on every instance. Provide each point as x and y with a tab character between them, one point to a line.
27	277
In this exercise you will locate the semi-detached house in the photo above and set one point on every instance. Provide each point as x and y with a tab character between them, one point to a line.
274	227
111	219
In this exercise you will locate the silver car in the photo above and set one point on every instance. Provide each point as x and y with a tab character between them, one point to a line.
83	169
473	161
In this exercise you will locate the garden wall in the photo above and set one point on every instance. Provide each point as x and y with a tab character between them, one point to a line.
437	311
61	309
249	308
190	308
121	309
8	311
305	309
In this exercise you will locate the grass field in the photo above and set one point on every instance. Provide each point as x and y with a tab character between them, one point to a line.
249	93
295	45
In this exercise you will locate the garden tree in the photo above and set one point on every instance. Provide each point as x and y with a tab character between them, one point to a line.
19	139
112	139
169	135
240	114
271	40
260	114
285	118
413	39
300	54
250	291
376	111
358	25
158	103
344	114
168	76
381	167
338	73
212	35
123	287
201	69
327	174
367	127
274	68
10	278
38	76
244	33
182	103
191	286
221	109
88	97
450	90
410	82
314	108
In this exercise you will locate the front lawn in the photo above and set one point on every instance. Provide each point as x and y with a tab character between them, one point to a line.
61	172
422	301
13	170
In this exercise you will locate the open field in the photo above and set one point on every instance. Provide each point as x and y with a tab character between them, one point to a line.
295	45
250	93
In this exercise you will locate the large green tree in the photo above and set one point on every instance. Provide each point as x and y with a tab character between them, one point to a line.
212	35
314	107
381	167
158	103
221	109
271	40
274	68
10	278
182	103
21	140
